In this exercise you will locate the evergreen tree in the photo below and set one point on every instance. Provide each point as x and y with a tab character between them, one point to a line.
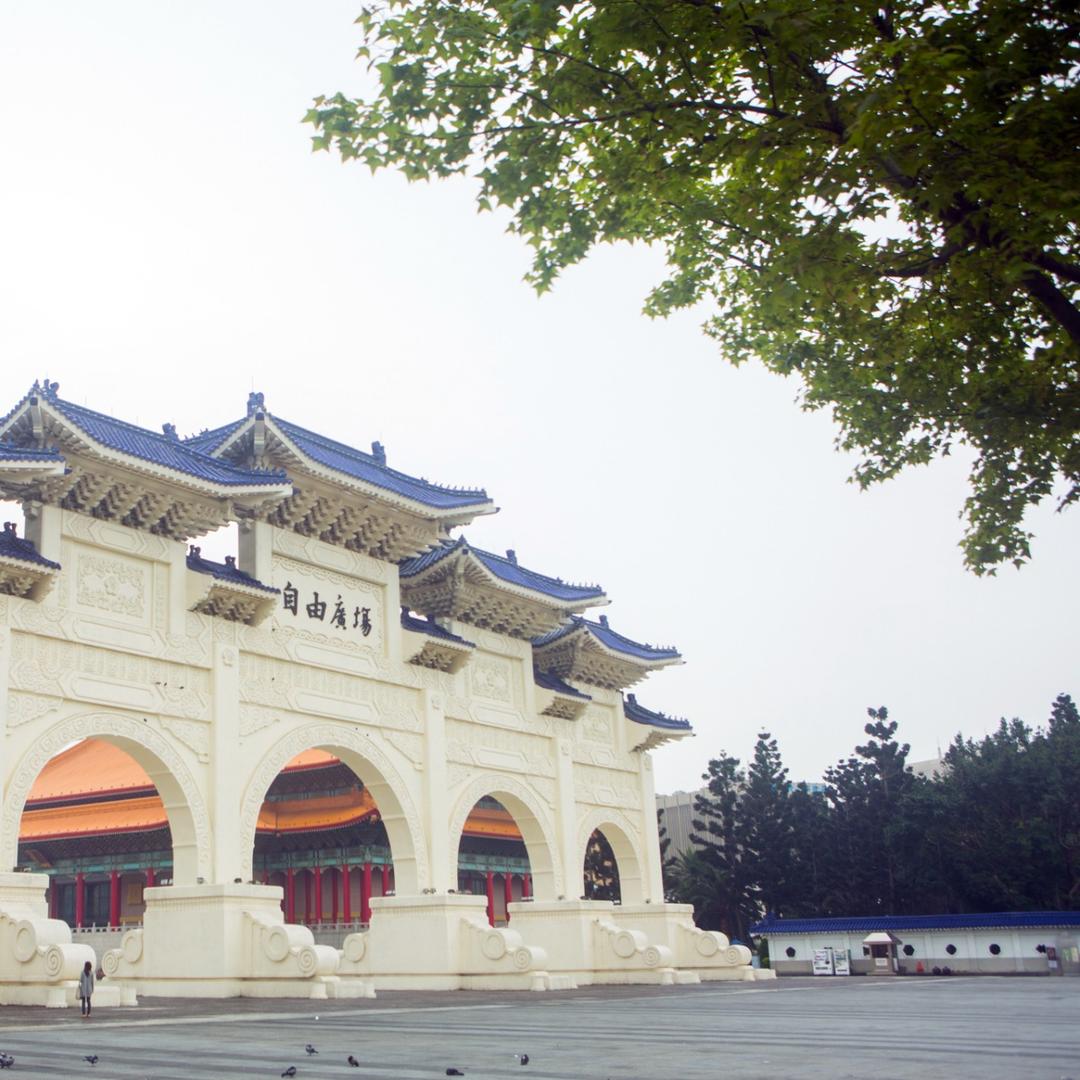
766	826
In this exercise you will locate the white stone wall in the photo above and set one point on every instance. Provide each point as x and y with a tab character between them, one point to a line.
213	710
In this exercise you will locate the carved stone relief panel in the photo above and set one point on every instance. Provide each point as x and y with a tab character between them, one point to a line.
315	553
25	708
112	584
491	678
487	747
605	787
596	725
103	676
106	534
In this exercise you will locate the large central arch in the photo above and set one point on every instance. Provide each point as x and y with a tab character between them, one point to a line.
525	806
185	808
373	766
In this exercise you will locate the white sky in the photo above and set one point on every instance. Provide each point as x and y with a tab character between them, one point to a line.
168	243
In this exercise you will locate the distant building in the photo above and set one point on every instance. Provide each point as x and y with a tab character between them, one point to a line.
994	943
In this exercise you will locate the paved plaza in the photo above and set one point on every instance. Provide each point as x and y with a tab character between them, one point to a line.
988	1028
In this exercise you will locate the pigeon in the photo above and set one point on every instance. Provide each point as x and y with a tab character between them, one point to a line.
290	1071
523	1059
6	1060
454	1072
92	1058
310	1050
353	1062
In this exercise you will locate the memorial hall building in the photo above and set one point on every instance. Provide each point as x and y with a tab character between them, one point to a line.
361	720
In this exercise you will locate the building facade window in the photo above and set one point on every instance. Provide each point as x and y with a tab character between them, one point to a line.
950	949
995	949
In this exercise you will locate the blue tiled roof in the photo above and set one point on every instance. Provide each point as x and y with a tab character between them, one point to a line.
552	682
868	924
610	639
19	453
226	571
13	546
640	715
431	628
506	570
352	462
153	447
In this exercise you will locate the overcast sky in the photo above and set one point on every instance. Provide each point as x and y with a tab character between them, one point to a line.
168	243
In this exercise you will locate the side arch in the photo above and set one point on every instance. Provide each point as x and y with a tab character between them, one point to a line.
379	775
531	818
625	841
185	807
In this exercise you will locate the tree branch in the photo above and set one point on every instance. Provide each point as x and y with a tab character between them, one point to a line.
1059	307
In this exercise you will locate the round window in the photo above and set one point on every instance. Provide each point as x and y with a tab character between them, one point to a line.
909	950
789	952
950	949
995	949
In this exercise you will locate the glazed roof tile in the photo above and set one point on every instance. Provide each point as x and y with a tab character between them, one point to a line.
552	682
224	571
153	447
430	627
13	546
859	924
504	569
357	464
609	638
21	453
640	715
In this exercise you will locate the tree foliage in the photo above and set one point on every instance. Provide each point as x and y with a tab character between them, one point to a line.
997	829
879	197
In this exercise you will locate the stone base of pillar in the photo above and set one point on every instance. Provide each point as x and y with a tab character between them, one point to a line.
39	964
221	941
706	953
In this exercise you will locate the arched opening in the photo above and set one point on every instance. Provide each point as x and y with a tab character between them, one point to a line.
601	873
321	834
493	860
612	870
104	819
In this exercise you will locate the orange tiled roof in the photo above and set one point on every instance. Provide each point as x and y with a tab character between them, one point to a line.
98	769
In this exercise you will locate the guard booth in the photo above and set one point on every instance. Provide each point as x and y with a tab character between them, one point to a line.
880	947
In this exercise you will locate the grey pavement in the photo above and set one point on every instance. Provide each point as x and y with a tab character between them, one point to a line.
990	1028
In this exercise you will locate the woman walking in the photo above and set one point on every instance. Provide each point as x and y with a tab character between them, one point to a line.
86	987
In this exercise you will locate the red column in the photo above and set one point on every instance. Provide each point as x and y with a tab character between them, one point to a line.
508	892
333	896
307	898
385	878
52	896
318	894
149	877
365	893
290	896
80	898
526	886
491	897
346	899
114	898
266	876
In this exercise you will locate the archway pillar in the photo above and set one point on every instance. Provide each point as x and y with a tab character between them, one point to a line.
436	802
652	871
565	823
226	779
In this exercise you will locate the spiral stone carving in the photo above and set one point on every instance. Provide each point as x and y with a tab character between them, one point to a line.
307	961
131	945
25	944
736	956
651	957
522	959
110	962
707	945
494	945
624	944
55	961
355	948
276	944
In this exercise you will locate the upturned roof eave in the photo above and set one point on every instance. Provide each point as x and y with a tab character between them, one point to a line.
274	488
450	515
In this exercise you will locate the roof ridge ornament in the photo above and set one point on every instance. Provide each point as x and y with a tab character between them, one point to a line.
378	452
256	401
169	431
511	556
